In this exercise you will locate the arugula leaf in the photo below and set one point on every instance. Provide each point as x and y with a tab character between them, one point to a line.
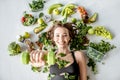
62	54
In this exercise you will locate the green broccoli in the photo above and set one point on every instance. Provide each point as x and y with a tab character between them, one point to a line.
14	48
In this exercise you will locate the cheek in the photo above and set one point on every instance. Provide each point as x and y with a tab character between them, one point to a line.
54	39
67	39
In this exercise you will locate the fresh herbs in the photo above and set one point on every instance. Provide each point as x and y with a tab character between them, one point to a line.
45	69
44	40
96	52
62	54
51	76
61	63
36	69
80	38
102	46
92	64
41	15
68	76
36	5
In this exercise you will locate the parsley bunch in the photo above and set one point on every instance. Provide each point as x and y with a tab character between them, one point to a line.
80	38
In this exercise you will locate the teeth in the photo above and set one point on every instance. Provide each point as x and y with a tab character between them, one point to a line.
61	43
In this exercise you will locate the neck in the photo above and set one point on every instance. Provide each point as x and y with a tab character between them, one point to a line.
63	50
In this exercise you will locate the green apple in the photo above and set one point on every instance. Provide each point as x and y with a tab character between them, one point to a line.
91	31
40	21
56	11
25	57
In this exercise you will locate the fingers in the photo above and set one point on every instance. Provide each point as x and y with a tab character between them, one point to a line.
31	57
36	56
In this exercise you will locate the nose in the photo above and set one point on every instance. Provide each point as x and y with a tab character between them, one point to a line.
61	38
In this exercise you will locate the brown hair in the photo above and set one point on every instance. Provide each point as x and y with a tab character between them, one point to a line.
68	26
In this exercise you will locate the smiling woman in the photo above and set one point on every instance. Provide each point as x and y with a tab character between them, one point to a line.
11	12
68	64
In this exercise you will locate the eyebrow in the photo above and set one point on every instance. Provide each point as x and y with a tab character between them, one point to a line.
63	33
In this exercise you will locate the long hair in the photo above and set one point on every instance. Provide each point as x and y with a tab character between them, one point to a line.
68	26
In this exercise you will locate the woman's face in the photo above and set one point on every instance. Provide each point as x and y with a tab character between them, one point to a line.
61	37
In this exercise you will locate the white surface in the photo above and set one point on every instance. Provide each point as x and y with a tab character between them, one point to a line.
10	13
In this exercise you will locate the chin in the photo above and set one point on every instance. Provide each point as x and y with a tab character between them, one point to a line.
61	46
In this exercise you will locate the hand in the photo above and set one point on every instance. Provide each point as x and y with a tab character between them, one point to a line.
36	58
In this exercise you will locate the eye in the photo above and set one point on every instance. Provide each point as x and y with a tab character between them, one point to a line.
65	35
57	35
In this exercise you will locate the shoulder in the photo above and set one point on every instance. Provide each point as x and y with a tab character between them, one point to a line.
80	56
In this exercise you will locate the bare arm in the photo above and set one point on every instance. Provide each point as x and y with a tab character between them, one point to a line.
82	65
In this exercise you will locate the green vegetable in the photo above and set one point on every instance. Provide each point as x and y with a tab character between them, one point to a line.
92	64
64	20
43	39
94	54
72	77
25	57
45	69
54	6
41	15
14	48
77	43
36	5
68	10
102	46
61	63
36	69
68	76
51	76
38	29
62	54
41	21
28	19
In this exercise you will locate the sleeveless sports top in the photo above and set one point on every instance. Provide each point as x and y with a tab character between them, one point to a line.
70	72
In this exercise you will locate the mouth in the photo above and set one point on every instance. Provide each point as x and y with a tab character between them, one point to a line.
61	43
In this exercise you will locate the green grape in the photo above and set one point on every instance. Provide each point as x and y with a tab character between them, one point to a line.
101	31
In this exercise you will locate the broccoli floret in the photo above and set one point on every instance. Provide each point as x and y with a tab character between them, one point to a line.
14	48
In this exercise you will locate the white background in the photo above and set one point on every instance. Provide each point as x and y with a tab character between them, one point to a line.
11	11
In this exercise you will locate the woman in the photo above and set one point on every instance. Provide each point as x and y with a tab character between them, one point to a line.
61	35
